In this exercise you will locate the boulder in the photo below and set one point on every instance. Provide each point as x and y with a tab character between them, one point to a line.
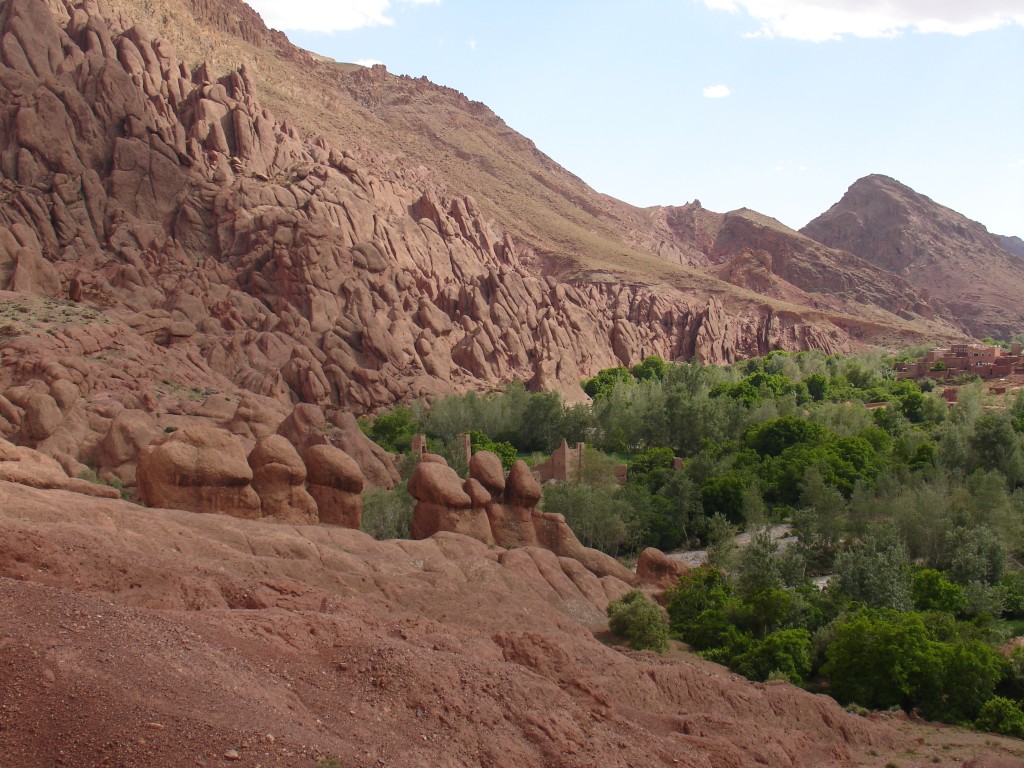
41	419
129	432
279	479
198	468
438	484
335	482
657	568
25	466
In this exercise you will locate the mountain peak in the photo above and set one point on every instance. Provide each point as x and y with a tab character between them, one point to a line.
968	272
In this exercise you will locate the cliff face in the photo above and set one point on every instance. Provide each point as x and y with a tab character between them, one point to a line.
172	246
969	274
182	208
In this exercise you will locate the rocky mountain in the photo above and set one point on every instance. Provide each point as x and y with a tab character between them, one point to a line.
967	273
172	245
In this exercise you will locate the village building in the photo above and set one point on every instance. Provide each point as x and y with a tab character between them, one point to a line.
982	360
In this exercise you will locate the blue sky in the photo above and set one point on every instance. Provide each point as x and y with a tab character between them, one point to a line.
775	105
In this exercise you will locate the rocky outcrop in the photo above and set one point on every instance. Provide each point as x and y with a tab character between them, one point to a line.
335	482
285	625
25	466
201	469
496	509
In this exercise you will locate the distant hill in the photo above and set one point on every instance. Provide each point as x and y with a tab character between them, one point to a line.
968	273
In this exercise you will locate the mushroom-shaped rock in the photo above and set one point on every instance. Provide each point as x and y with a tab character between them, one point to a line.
486	468
438	484
655	567
521	487
335	482
129	432
445	503
478	495
198	468
279	479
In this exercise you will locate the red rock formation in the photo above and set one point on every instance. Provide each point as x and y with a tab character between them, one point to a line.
335	482
201	469
655	567
339	645
279	479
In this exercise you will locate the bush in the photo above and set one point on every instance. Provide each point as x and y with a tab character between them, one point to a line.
639	621
932	591
387	514
783	654
91	476
1002	716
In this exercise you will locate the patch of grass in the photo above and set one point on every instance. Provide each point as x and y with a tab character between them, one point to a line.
91	476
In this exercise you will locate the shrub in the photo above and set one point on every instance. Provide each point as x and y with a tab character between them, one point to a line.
785	654
91	476
387	514
1002	716
879	658
504	451
932	591
639	621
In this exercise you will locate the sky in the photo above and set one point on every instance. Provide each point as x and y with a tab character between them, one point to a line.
775	105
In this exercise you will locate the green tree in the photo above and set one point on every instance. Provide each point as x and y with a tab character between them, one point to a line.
504	451
606	380
723	494
786	653
932	591
996	445
773	437
651	368
757	566
393	431
879	658
875	571
641	622
964	677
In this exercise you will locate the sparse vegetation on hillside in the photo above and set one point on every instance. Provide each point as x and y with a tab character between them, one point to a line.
912	509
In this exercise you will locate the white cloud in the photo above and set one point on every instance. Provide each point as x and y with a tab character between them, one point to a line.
717	92
819	20
472	44
367	62
327	15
